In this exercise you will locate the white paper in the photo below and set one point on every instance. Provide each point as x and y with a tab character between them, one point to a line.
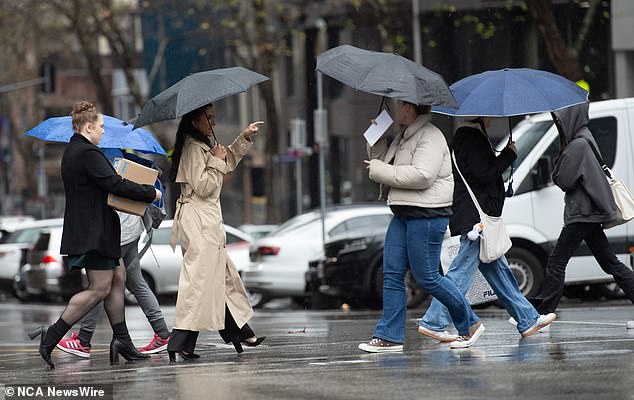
376	130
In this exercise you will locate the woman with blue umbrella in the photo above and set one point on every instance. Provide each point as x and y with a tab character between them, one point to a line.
482	170
502	93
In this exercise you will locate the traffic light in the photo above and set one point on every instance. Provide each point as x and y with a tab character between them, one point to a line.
47	73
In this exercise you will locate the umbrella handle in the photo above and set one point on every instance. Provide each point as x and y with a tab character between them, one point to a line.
381	105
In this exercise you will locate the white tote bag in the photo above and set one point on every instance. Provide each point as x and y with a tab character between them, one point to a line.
495	240
624	202
622	196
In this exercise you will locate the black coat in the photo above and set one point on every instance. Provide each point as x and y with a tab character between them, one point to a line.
89	223
483	171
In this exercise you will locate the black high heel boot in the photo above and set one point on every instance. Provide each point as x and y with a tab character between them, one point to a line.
256	343
126	350
44	349
172	356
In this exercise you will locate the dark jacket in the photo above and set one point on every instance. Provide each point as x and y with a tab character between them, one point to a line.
483	171
89	223
578	172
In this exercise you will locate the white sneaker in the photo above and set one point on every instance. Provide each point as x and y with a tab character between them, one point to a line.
542	322
466	341
545	329
377	345
441	336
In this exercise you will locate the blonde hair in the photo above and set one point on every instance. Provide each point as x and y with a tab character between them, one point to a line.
83	113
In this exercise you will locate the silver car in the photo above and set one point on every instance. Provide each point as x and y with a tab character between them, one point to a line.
18	237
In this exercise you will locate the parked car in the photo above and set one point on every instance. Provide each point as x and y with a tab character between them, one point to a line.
279	261
44	274
351	271
17	237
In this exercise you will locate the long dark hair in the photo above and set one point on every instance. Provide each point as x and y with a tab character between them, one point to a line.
186	128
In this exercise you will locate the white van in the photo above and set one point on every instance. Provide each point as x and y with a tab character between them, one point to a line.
534	215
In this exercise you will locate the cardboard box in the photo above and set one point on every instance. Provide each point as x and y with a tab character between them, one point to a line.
136	173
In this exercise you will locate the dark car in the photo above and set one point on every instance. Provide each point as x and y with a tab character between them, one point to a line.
352	272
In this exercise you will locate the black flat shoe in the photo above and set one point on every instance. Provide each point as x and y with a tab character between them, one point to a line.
127	351
256	343
45	353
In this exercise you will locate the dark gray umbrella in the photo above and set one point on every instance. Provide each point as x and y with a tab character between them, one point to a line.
195	91
385	74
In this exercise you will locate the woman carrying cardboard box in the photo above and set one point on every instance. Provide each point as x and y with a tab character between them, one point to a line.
91	234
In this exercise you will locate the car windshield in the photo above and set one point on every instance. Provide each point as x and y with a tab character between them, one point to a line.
21	236
295	223
526	141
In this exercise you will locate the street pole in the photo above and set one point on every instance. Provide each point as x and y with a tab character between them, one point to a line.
418	48
298	184
321	135
321	130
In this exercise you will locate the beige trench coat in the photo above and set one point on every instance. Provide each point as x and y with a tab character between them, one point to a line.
208	278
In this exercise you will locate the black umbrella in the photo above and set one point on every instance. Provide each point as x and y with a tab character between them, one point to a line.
385	74
195	91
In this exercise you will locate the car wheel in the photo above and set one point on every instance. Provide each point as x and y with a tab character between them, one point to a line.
130	299
527	269
257	299
20	292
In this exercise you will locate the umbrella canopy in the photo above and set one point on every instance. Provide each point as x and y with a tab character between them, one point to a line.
385	74
116	134
511	92
195	91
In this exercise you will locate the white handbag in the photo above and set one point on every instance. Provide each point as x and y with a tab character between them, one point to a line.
495	240
622	196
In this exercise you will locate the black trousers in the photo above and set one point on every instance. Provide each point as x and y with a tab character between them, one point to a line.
184	340
569	240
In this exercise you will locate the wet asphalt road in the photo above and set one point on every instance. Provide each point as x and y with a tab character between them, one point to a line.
589	354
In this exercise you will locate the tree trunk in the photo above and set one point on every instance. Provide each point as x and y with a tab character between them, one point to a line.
565	59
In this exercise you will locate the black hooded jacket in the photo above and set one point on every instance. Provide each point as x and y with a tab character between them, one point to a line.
578	172
483	172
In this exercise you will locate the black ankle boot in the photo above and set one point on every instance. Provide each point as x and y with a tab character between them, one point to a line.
45	349
122	344
49	337
126	350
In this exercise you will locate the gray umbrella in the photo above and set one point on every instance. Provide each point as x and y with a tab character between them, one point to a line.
195	91
385	74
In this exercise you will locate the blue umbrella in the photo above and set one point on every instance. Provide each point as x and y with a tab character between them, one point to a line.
511	92
116	134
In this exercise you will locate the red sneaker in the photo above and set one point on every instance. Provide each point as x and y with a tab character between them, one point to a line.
73	346
155	346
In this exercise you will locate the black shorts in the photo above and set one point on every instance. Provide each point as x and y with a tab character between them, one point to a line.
91	260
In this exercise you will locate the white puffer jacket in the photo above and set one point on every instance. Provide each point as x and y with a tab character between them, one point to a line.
416	167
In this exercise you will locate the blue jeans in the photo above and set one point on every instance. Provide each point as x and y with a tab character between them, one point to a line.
416	243
462	272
